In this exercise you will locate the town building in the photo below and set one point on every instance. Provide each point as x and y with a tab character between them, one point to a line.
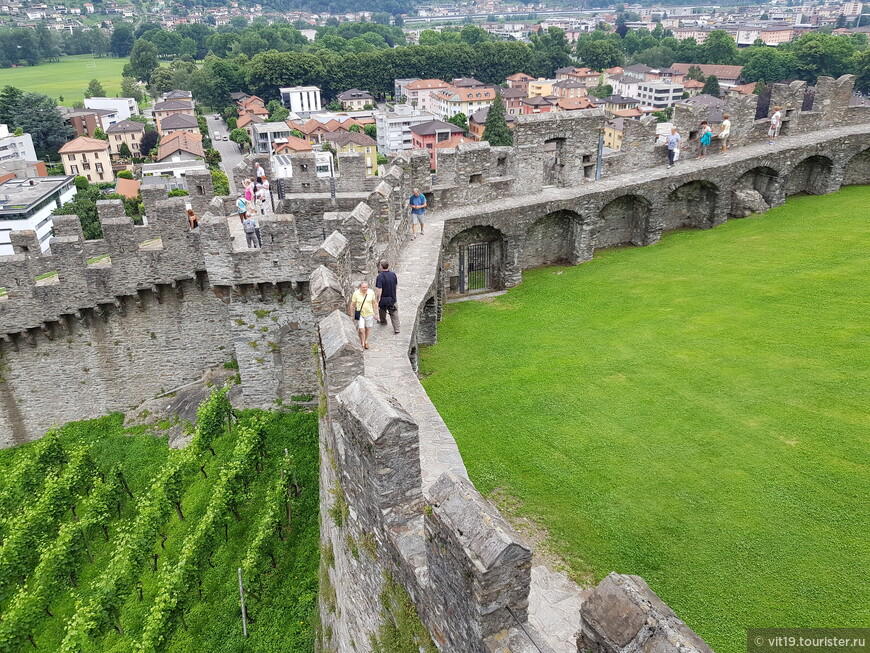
399	93
512	99
727	75
539	104
123	106
426	135
88	157
20	169
541	87
85	121
180	146
301	99
613	133
477	123
177	95
27	203
356	143
316	127
126	131
569	88
618	102
455	100
291	145
15	148
356	100
418	93
659	95
520	81
267	134
179	122
394	127
169	108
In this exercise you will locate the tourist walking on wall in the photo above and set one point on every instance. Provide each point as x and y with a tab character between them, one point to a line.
249	225
261	174
386	290
250	189
775	125
242	208
724	132
362	309
262	199
418	205
192	219
674	139
705	138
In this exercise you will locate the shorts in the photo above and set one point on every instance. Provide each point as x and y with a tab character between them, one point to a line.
417	218
773	132
723	140
366	322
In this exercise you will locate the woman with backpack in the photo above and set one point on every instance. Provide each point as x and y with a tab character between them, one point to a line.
705	138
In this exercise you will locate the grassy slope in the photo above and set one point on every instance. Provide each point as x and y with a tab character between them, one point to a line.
693	412
215	623
69	77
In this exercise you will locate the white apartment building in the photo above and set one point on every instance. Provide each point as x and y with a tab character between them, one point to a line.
852	8
123	106
15	147
394	127
28	204
659	95
301	99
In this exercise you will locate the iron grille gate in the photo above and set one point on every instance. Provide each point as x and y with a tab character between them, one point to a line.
475	267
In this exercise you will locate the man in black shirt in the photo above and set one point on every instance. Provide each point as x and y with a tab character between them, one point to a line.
386	288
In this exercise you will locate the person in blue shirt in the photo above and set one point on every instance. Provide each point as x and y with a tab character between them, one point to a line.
242	208
673	146
418	205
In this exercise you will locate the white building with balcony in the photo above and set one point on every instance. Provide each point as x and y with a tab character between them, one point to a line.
14	148
394	128
659	95
301	99
28	204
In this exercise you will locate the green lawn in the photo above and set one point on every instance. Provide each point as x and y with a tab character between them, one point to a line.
693	412
68	78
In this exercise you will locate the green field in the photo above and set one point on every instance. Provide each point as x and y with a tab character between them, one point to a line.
68	78
67	563
694	412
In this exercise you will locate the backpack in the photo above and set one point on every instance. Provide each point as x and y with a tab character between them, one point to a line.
706	138
249	226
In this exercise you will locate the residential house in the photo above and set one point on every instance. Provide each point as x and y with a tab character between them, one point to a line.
126	131
291	145
15	148
179	122
616	102
129	188
700	34
569	88
477	123
180	146
177	95
418	93
659	95
123	106
576	104
692	86
301	99
394	127
541	86
512	99
584	75
267	134
520	81
28	202
356	100
426	135
539	104
399	93
247	122
316	127
742	89
454	100
613	133
85	121
252	104
356	143
168	108
625	85
88	157
466	82
727	75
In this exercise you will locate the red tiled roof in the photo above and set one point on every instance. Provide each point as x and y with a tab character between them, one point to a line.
180	142
84	144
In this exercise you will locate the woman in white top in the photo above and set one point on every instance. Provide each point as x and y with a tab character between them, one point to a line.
725	132
775	124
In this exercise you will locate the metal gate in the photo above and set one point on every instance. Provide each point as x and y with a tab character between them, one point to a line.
474	265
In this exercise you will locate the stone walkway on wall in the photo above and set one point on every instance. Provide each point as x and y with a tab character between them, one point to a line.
554	600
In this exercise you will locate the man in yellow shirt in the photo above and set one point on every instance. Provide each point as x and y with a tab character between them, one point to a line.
363	302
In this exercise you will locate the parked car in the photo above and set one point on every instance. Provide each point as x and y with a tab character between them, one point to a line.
217	135
217	117
226	137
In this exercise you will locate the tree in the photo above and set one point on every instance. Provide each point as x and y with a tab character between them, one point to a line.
240	137
299	134
495	130
9	98
100	134
37	115
277	111
720	48
125	174
600	55
355	129
124	151
335	105
602	90
711	86
769	64
212	157
220	182
122	40
143	61
95	89
371	131
862	71
130	88
148	142
460	120
160	81
695	73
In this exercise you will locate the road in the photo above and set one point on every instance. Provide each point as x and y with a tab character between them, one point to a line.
230	155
